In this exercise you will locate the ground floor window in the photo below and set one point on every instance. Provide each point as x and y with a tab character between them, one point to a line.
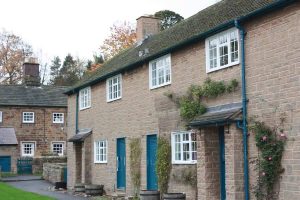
58	147
184	148
28	149
100	151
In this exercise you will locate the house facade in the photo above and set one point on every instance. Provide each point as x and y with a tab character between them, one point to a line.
32	119
128	98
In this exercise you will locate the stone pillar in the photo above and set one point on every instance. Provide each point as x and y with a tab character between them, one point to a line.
234	163
208	165
78	162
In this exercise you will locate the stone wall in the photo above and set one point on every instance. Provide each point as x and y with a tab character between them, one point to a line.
38	162
54	172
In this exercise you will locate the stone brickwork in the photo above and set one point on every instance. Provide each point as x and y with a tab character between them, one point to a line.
272	75
54	172
38	162
12	151
43	131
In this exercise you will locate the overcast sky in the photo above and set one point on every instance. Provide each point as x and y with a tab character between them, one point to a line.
58	27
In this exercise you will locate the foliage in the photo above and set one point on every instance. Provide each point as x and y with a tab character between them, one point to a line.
13	51
135	163
163	164
122	36
10	193
191	103
95	64
168	18
68	73
187	175
270	142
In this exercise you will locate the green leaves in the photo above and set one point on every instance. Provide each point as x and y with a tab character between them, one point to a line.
135	163
163	164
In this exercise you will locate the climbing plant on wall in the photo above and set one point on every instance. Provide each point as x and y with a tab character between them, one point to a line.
135	163
191	104
270	143
163	164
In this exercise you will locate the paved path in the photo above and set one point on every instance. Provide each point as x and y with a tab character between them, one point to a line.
21	178
43	187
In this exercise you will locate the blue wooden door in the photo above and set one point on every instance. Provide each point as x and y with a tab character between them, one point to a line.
222	163
151	162
5	163
121	164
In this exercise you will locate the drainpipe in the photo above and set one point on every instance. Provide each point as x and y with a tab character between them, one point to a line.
76	120
244	103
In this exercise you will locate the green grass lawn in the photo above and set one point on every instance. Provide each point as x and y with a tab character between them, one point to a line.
8	192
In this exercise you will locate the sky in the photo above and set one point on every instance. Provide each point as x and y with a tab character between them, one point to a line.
58	27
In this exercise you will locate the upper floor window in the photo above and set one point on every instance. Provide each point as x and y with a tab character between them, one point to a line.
184	148
100	151
85	98
222	50
160	72
0	116
58	118
28	117
114	88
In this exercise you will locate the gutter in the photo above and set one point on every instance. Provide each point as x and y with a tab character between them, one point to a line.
244	109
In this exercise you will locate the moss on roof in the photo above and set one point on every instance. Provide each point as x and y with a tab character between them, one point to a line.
194	28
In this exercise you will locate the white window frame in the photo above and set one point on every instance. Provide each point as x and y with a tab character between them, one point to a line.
27	121
1	117
58	142
217	37
164	68
33	150
112	88
85	98
61	118
181	161
97	151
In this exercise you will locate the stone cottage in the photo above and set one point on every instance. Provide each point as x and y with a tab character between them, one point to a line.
32	119
255	42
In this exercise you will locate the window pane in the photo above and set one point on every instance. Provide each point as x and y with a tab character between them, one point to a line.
234	46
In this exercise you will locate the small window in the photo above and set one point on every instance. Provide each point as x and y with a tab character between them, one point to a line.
100	152
85	98
114	88
160	72
28	149
1	117
222	50
58	118
28	117
184	148
58	147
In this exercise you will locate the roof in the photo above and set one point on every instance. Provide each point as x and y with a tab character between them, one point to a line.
44	96
218	115
8	136
81	135
215	18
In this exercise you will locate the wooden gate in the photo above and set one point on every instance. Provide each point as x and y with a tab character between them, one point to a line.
24	165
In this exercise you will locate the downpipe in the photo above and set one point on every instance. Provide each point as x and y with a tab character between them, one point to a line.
243	126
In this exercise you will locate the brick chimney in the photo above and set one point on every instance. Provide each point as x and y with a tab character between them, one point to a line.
31	74
146	25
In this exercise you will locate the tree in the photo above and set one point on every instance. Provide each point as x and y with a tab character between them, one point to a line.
13	51
121	37
95	64
68	73
54	70
168	18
